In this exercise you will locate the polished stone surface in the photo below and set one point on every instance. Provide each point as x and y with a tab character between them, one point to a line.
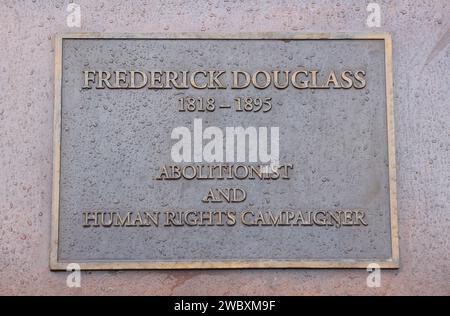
421	61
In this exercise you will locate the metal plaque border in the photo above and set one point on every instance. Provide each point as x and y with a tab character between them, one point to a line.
391	263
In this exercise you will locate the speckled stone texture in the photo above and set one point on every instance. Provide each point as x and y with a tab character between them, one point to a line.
421	38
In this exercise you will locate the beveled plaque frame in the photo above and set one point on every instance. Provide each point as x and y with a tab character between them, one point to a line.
391	263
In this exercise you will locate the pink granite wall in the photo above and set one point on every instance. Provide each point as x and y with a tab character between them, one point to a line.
421	37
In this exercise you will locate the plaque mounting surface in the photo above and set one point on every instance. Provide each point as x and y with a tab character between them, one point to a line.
111	143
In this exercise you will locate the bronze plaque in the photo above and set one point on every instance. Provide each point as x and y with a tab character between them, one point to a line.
223	151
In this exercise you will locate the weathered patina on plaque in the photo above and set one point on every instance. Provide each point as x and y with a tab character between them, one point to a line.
223	151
